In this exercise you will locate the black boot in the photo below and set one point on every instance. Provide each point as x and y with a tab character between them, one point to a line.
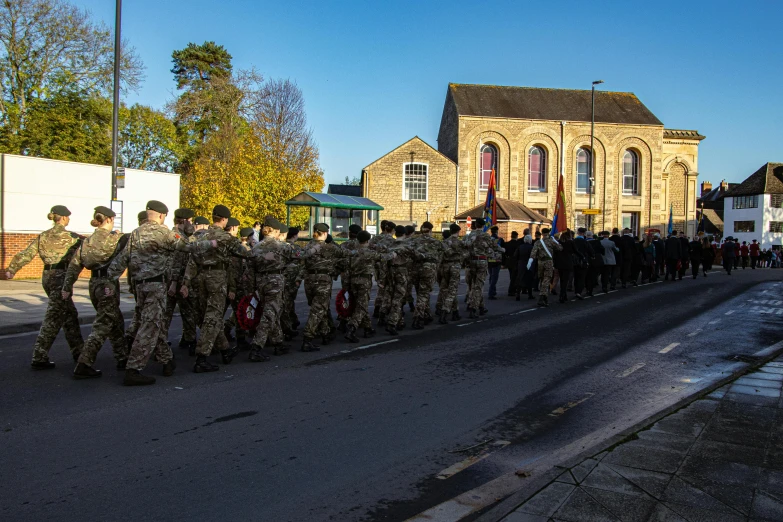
350	334
417	324
382	320
369	332
308	346
257	354
428	319
483	311
443	318
342	325
134	378
42	365
228	355
82	371
391	330
455	315
326	340
472	313
168	368
280	349
203	365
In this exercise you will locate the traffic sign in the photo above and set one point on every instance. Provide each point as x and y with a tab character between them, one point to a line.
591	211
469	220
120	177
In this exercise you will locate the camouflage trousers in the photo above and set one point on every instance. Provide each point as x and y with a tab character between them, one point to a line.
212	292
399	287
186	313
269	290
425	284
60	313
478	274
449	286
288	318
133	327
108	324
360	298
546	270
381	297
152	334
413	282
318	290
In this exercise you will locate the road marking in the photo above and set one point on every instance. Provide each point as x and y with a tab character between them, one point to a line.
464	464
695	332
716	321
630	370
465	324
561	410
369	346
730	312
523	311
669	348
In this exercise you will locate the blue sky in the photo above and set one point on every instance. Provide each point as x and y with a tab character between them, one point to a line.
374	73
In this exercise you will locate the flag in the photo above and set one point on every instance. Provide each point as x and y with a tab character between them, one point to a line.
491	206
701	220
559	223
671	219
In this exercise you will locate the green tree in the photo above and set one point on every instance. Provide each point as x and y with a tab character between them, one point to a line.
148	140
355	181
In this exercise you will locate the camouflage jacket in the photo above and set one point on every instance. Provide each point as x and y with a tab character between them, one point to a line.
294	271
148	251
362	261
455	252
405	253
179	260
539	252
96	251
281	250
228	246
54	246
322	261
429	249
381	243
482	244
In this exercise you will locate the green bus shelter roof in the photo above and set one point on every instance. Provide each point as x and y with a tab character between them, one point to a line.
317	199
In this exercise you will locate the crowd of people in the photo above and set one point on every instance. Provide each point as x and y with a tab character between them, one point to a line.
209	269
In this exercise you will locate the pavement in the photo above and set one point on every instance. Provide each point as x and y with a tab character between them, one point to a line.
720	458
433	424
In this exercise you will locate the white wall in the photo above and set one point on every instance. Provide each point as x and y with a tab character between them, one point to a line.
771	214
30	187
730	215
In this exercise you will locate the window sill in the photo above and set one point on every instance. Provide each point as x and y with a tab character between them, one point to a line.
537	191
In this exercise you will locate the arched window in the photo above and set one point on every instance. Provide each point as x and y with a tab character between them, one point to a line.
536	165
630	173
489	161
582	171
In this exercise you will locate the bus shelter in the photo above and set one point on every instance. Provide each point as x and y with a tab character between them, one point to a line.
337	211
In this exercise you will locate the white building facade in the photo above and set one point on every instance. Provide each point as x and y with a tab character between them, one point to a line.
754	208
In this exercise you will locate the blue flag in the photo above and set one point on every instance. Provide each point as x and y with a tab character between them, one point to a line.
671	219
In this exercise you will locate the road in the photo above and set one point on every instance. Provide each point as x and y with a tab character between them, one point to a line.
363	435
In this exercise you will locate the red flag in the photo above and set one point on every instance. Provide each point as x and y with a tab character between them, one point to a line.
491	205
559	222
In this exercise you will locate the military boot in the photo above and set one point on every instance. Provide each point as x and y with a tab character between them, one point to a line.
203	365
326	339
428	319
169	367
483	311
455	315
42	365
280	349
350	335
134	378
417	324
308	346
82	371
228	355
391	330
257	354
229	336
382	319
76	356
443	319
369	332
472	313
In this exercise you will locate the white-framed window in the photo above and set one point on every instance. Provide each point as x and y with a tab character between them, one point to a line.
583	171
536	166
630	173
414	182
489	162
744	226
745	202
776	200
631	221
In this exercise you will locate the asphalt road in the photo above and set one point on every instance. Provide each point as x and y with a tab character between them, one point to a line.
363	435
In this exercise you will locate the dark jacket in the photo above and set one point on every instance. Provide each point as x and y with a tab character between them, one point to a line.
660	251
595	245
694	251
727	249
618	242
673	248
525	277
583	250
564	259
627	247
684	248
510	247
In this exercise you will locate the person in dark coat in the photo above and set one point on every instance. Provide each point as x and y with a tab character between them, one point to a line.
684	245
673	255
617	272
627	254
729	256
509	262
695	254
660	256
707	255
596	262
582	255
525	276
564	263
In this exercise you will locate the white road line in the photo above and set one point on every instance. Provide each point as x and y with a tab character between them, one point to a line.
523	311
669	348
464	464
716	321
730	312
630	370
465	324
370	346
695	332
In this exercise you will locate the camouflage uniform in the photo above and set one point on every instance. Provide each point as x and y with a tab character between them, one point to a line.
454	256
244	286
398	281
430	252
146	256
468	241
482	246
383	296
293	280
212	274
321	262
546	266
96	254
56	247
176	273
362	261
269	288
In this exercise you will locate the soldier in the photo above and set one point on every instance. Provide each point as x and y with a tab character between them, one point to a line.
543	252
403	258
482	246
345	276
96	254
362	260
322	260
234	272
179	262
454	256
55	247
270	257
146	256
201	224
430	251
208	272
133	327
469	237
383	297
413	274
244	285
289	322
445	234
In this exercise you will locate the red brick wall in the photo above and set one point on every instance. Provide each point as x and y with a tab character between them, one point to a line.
11	244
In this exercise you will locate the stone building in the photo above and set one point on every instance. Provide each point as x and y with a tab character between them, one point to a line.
531	136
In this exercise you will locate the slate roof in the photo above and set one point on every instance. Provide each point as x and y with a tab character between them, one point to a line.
713	221
345	190
767	180
550	104
508	210
682	134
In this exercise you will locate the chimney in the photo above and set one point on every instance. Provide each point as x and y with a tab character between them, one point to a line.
724	186
706	186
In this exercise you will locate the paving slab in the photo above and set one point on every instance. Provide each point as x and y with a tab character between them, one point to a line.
549	500
628	508
768	505
754	381
581	507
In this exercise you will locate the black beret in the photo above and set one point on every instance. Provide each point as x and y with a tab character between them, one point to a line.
233	222
106	211
157	206
60	210
383	224
363	236
399	231
495	228
410	229
454	228
271	222
329	238
292	231
354	229
479	222
321	227
446	234
184	213
246	232
200	220
545	231
426	224
221	211
142	216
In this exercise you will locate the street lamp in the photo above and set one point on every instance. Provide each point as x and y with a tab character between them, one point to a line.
591	178
115	120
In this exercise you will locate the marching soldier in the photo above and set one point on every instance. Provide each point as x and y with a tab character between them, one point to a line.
362	261
96	254
232	274
179	262
55	247
147	257
543	251
403	258
482	246
345	276
289	322
454	256
133	327
430	251
380	243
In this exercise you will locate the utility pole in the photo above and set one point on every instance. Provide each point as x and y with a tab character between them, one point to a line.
115	121
592	155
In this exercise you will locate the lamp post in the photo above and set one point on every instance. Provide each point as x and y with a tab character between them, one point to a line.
592	152
115	121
